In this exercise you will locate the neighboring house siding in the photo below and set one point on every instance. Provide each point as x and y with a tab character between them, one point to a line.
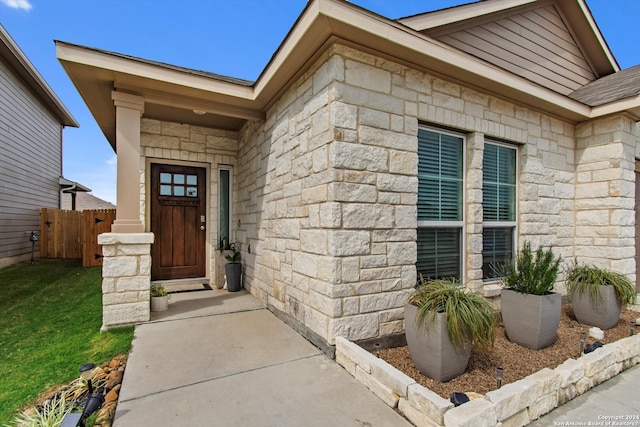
536	45
30	164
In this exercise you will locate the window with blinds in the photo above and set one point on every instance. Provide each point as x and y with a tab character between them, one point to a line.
499	207
440	206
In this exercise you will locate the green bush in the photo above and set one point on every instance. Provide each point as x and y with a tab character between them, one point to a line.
532	274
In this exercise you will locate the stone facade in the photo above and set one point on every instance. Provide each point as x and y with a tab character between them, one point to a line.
325	188
126	269
174	143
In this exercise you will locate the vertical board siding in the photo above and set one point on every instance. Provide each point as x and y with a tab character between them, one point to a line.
30	163
535	44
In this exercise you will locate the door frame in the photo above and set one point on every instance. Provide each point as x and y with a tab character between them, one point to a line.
209	222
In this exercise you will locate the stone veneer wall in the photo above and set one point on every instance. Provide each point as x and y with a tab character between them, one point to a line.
327	188
175	143
126	270
605	193
515	404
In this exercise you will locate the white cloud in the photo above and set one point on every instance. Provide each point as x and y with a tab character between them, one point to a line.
17	4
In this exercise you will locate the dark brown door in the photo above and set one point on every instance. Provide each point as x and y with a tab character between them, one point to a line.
178	208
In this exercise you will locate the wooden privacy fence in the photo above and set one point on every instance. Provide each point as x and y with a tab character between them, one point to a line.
74	234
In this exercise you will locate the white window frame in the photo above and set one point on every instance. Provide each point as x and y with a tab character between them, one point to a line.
461	224
505	224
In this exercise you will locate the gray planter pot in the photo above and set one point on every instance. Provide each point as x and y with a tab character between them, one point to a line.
159	303
531	320
431	350
234	276
605	315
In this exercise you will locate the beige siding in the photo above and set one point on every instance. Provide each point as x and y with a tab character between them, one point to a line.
535	44
30	164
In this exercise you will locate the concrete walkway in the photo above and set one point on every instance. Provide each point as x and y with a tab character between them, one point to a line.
615	402
221	359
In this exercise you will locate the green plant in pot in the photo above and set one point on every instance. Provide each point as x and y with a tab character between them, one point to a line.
233	269
442	320
530	309
598	294
159	298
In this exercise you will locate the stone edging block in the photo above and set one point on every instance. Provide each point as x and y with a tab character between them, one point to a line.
517	403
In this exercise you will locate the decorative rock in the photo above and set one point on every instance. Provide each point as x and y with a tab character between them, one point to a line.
112	396
114	377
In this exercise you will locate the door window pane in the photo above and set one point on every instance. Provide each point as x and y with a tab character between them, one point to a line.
165	190
165	178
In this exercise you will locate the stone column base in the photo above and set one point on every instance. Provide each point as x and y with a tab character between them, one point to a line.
126	278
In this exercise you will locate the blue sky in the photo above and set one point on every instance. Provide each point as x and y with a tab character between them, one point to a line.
230	37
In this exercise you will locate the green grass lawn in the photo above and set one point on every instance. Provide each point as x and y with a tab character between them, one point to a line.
50	319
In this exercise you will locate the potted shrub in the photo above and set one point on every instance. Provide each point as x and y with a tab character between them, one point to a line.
530	310
442	319
159	298
598	294
233	270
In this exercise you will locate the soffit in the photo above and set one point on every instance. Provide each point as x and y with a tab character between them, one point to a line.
168	89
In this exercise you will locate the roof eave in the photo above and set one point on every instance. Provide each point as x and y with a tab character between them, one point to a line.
329	20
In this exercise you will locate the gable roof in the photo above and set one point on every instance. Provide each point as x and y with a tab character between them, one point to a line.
17	60
533	39
175	92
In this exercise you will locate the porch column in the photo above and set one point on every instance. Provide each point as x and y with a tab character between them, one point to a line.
129	109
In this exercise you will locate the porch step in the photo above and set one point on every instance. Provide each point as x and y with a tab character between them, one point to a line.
184	285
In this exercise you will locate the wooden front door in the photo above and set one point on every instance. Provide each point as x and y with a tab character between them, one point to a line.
178	220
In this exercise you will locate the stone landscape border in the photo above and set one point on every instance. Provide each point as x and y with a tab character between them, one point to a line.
515	404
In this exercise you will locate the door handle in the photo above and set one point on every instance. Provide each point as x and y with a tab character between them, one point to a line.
202	227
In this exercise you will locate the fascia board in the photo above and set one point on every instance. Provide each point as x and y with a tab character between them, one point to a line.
76	54
598	34
407	46
459	13
631	104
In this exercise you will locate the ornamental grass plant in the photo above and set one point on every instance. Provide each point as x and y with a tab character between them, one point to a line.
468	314
587	279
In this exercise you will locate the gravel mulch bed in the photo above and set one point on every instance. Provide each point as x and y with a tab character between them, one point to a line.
517	361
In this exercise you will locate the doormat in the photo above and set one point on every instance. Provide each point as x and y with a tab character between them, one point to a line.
179	288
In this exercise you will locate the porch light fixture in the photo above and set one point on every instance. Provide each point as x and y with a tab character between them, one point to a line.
499	375
199	112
